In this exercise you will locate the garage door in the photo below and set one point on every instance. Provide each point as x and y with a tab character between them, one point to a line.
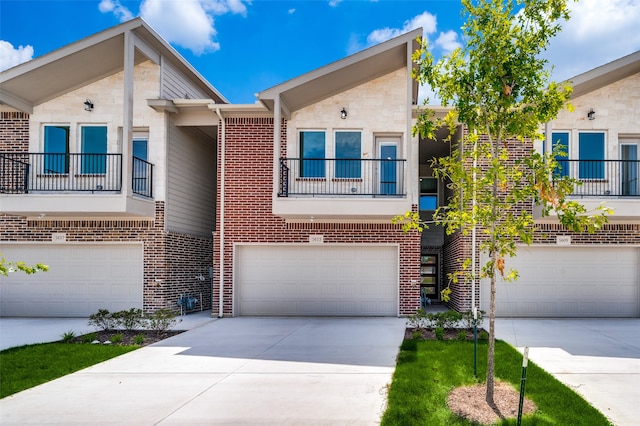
570	282
316	280
82	278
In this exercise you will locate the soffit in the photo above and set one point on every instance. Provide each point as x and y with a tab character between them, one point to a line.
606	74
85	62
345	74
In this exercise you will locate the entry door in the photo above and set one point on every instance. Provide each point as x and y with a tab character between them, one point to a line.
429	278
388	154
140	169
629	169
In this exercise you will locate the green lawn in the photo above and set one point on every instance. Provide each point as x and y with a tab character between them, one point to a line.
427	370
26	366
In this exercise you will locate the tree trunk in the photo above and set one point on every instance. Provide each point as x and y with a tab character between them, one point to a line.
492	337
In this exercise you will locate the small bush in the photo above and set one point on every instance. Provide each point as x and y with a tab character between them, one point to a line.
102	320
439	331
483	335
462	335
161	320
68	336
116	338
88	338
468	321
128	320
138	339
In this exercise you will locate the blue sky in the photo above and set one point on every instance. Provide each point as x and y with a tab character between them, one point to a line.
243	47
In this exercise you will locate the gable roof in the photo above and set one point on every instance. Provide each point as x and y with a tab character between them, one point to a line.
86	61
605	74
346	73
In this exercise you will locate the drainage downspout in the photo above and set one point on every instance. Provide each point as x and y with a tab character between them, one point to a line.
221	230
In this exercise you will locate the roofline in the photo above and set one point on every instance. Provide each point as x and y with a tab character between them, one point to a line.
273	91
605	74
96	38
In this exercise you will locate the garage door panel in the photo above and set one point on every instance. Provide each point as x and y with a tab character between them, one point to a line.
570	282
316	280
82	278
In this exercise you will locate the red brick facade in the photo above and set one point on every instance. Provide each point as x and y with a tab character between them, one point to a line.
248	218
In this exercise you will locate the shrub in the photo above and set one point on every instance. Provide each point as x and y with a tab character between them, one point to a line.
138	339
68	336
116	338
468	320
102	320
161	320
128	320
88	338
439	331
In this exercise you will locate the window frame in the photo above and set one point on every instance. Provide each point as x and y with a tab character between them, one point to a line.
594	168
93	163
316	164
347	167
55	162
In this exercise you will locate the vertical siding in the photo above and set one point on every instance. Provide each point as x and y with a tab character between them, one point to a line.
191	183
175	85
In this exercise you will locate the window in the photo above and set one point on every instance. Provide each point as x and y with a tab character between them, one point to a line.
591	155
94	147
428	193
56	149
348	153
560	142
312	154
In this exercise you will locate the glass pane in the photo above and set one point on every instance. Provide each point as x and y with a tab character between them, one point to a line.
388	169
430	260
140	168
140	149
56	144
428	270
428	185
348	146
428	202
428	280
591	148
561	143
629	169
312	152
94	146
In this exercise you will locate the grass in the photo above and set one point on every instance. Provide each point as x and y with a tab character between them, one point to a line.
427	370
23	367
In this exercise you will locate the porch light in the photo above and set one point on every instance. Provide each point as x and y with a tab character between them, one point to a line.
343	113
88	105
591	115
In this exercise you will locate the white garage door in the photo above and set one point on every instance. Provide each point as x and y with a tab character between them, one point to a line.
82	278
316	280
570	282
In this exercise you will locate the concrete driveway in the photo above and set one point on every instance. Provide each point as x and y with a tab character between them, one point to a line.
598	358
237	371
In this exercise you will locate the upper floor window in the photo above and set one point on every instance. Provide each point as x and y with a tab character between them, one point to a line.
591	155
93	143
56	148
560	142
348	153
428	193
312	154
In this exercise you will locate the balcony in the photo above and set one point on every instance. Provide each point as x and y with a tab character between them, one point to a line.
341	189
58	184
613	182
603	178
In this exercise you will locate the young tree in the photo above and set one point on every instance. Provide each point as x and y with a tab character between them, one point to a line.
498	87
6	267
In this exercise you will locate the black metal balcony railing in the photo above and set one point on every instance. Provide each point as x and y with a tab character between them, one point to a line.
328	177
22	173
602	178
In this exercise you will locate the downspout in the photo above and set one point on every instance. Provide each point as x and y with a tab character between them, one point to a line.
221	230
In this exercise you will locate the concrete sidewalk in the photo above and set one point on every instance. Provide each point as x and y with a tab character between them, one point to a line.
233	371
26	331
598	358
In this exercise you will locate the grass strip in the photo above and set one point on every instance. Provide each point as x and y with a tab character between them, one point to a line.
427	370
26	366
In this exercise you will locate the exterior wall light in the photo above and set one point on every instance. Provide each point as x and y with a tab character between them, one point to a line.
591	115
88	105
343	113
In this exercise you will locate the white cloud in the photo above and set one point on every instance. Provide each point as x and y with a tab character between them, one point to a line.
291	11
11	56
122	13
597	32
425	20
448	41
334	3
186	23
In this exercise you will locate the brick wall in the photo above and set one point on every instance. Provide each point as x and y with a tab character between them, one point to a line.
248	217
14	132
